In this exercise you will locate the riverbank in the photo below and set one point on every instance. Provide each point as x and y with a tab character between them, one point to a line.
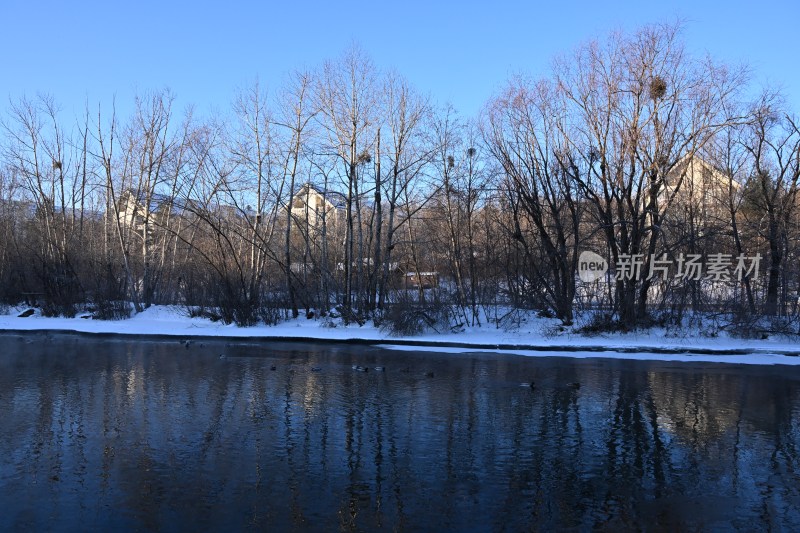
537	337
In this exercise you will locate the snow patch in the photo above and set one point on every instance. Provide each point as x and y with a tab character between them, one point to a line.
173	321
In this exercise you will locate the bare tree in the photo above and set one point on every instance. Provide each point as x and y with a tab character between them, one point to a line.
52	170
149	174
251	144
114	231
525	133
298	113
408	154
638	107
348	102
774	150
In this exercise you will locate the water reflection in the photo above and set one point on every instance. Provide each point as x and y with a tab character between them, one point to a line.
101	434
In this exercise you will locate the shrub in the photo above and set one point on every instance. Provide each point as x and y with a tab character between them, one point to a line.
112	310
601	322
407	319
203	312
512	320
269	312
53	308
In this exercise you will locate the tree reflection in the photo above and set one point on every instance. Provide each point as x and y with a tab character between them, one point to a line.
110	435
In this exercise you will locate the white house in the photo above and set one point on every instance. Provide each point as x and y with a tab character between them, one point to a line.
702	187
311	204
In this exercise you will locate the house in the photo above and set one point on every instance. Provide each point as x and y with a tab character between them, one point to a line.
703	190
302	267
424	280
137	209
311	205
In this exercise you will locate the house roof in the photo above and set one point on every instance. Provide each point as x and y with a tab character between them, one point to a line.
717	174
337	199
156	200
180	206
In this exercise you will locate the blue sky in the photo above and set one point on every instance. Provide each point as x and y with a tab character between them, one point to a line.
460	52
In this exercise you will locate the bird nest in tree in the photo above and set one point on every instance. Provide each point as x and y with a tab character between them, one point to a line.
658	87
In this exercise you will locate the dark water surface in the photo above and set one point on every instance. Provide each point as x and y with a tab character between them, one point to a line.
100	434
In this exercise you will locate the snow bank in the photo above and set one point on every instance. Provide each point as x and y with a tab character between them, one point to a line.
754	358
533	339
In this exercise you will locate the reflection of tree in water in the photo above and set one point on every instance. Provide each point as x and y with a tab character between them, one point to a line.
697	408
194	441
733	427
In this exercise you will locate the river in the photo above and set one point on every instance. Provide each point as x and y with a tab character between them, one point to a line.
119	434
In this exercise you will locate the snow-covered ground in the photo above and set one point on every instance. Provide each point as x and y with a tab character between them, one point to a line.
535	338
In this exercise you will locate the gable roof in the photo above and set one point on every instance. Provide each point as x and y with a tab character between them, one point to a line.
335	198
